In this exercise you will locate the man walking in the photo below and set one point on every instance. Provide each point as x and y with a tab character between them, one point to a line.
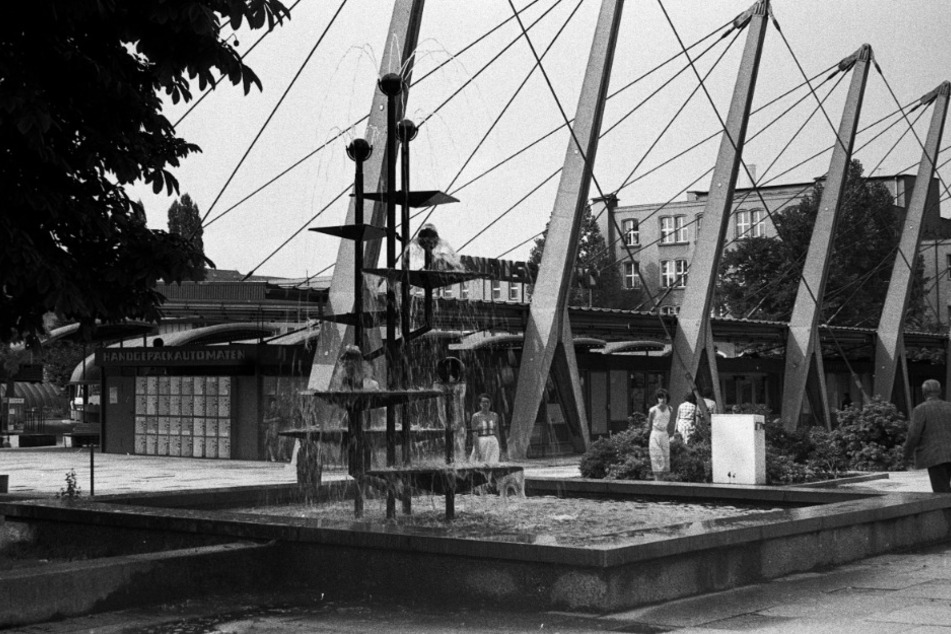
929	437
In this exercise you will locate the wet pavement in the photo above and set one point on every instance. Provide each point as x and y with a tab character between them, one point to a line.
900	592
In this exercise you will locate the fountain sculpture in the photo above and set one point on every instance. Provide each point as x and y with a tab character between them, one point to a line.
355	391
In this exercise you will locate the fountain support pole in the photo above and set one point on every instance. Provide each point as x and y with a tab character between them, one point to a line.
359	150
406	131
391	85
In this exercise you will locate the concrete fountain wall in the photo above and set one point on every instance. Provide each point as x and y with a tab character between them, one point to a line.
349	560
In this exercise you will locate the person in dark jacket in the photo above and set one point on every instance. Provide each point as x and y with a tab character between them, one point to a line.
929	437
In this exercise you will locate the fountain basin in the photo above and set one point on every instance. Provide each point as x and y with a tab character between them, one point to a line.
354	559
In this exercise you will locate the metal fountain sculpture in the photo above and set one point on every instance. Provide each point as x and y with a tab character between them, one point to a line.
355	391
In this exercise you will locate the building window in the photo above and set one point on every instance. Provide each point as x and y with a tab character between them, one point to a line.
673	273
496	289
742	224
632	234
669	310
698	220
758	220
447	292
513	291
750	224
631	278
672	229
464	291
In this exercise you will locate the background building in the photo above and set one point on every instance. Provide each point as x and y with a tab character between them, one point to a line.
657	240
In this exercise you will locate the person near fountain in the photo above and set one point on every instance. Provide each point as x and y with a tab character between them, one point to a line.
928	443
686	417
272	424
662	426
485	430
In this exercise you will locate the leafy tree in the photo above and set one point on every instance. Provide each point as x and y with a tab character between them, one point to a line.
597	277
60	359
759	277
184	220
81	118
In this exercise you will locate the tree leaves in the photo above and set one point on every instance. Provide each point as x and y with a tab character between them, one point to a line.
80	116
759	277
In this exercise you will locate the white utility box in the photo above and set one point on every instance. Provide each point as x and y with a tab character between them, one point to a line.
738	444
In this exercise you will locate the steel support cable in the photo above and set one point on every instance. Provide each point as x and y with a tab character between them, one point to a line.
838	139
731	28
669	80
280	101
493	60
905	115
793	265
214	83
733	141
856	151
931	283
358	121
716	134
564	125
298	231
712	103
561	109
509	210
794	196
498	118
762	130
759	132
559	128
713	136
802	72
679	111
855	377
784	276
832	293
895	144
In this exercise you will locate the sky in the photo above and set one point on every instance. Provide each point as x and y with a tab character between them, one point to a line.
457	97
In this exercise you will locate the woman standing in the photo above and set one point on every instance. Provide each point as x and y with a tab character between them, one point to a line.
661	426
686	416
485	427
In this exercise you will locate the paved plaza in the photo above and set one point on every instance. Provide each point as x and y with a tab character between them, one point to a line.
901	592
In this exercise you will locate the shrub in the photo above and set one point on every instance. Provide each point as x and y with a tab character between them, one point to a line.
872	436
613	450
635	464
693	462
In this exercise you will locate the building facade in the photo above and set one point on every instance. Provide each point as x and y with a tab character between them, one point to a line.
654	243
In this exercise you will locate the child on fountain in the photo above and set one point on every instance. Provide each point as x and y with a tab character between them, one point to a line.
485	428
662	427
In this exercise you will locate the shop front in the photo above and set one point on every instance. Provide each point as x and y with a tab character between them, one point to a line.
194	401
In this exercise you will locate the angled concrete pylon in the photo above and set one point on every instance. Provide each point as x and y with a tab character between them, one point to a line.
803	352
890	360
548	347
693	322
398	54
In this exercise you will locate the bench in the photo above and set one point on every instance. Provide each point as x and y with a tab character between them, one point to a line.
82	435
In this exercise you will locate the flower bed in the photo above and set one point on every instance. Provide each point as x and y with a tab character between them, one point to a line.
867	438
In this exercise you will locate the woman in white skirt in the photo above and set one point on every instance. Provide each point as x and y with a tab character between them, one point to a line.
485	429
662	426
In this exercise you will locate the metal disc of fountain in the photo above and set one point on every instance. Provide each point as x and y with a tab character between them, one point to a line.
371	399
339	435
422	278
